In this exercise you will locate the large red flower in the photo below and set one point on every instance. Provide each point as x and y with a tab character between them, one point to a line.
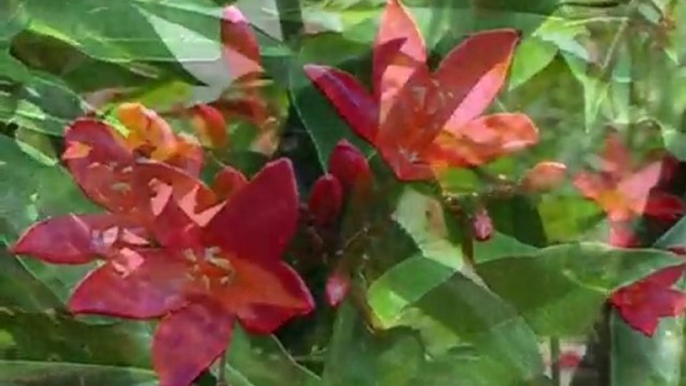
643	303
213	258
625	192
419	121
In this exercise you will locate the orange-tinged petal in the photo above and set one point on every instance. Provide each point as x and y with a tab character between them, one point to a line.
590	185
276	286
210	125
398	50
472	74
241	50
485	139
261	218
228	182
407	165
352	101
148	133
148	287
189	340
544	176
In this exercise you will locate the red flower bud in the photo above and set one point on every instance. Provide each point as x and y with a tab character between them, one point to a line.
227	182
326	200
482	225
350	166
544	176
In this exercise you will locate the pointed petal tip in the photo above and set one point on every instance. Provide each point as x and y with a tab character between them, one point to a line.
234	15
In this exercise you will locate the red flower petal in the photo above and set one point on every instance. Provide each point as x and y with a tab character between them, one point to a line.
616	158
73	239
472	74
350	166
266	298
485	139
398	50
326	200
210	125
136	284
174	228
188	341
640	319
350	99
241	50
622	235
406	165
667	277
664	206
337	287
99	161
261	218
228	182
590	185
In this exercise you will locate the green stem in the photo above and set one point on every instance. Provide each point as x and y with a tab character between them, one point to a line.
291	19
221	374
555	360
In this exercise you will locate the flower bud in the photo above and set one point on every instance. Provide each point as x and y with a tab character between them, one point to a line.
326	200
337	287
482	225
350	166
210	125
544	176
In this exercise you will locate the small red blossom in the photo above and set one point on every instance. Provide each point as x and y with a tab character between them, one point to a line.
624	192
326	200
421	122
643	303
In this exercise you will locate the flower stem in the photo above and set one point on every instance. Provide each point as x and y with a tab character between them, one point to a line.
291	19
221	374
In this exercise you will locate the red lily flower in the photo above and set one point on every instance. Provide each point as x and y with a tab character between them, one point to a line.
215	264
643	303
422	122
624	192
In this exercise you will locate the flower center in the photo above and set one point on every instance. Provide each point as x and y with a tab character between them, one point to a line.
209	268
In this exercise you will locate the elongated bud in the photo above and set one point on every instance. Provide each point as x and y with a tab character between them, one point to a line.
482	225
241	49
544	176
326	200
337	287
210	125
350	166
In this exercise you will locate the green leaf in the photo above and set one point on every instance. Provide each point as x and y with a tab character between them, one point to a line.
263	361
95	27
357	356
572	281
638	360
26	373
532	56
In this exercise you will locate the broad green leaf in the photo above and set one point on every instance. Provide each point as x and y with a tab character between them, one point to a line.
638	360
95	27
263	361
479	317
358	356
51	373
532	56
424	219
561	289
